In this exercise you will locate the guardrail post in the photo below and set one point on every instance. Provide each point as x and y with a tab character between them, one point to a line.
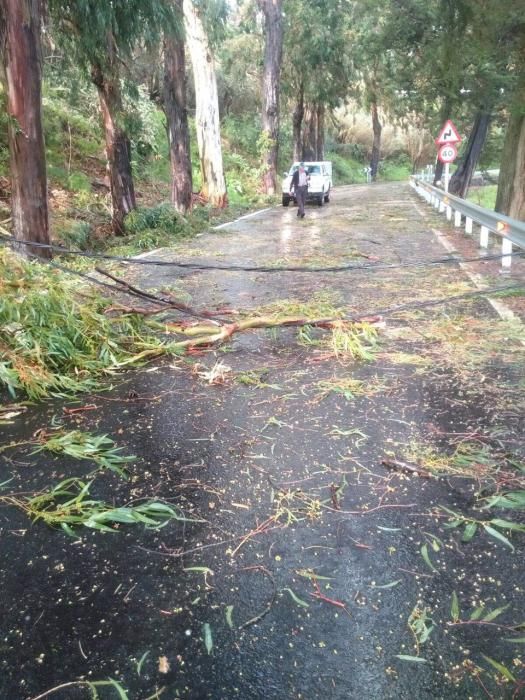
510	230
484	237
506	251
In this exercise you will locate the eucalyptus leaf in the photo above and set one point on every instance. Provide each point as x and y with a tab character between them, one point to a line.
498	536
413	659
454	609
469	531
426	558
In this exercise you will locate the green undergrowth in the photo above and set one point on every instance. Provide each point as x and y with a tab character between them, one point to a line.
56	338
484	196
161	226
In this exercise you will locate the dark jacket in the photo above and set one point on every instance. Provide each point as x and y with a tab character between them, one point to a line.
295	179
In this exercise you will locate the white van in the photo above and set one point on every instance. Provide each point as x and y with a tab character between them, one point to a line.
319	182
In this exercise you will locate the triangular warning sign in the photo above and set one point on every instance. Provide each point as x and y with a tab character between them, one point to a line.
448	134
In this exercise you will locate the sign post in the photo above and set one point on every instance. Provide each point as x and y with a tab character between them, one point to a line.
447	154
447	139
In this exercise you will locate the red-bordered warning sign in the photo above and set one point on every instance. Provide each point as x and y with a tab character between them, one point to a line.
448	153
448	134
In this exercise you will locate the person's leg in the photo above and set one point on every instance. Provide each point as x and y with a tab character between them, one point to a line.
300	201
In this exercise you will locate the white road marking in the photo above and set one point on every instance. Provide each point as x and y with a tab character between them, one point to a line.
241	218
499	307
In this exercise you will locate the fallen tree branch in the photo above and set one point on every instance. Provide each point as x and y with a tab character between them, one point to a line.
405	468
209	335
141	294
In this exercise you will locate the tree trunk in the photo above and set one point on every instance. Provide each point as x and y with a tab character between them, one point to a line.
320	131
444	114
460	180
376	144
207	108
510	199
174	105
297	119
118	147
310	134
23	75
273	52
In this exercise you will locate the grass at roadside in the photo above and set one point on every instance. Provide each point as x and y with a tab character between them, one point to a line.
483	196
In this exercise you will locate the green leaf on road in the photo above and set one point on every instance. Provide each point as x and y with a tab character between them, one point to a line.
296	598
454	609
498	536
469	531
414	659
424	554
500	668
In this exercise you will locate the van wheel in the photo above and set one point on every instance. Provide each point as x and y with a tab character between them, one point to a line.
286	200
327	197
320	200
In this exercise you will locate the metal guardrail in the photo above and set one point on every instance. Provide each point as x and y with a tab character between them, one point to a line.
511	231
427	175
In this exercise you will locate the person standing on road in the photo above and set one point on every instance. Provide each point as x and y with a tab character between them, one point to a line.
300	185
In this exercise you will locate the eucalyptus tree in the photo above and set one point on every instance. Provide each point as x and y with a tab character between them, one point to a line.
206	100
273	54
488	80
175	108
101	35
317	71
20	37
430	40
510	198
372	61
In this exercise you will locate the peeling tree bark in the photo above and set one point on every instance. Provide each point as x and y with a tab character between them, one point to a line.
207	108
376	144
174	105
510	199
460	180
21	21
273	19
118	147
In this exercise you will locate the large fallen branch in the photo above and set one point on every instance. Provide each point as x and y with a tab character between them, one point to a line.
210	332
206	334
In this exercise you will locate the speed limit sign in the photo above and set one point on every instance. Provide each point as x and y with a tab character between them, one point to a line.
448	153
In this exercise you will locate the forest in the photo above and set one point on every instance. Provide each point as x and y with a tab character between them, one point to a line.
114	107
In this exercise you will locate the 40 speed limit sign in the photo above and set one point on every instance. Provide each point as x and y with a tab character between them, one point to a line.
448	153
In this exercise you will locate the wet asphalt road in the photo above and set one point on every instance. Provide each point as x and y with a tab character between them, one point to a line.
317	604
